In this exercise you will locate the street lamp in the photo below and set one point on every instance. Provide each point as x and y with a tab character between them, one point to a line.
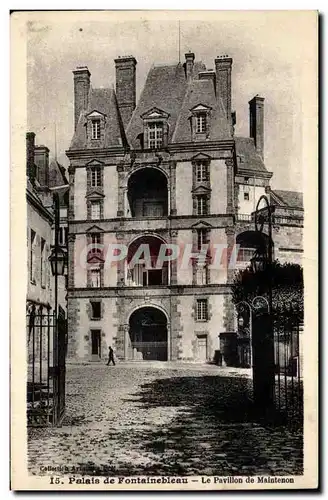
58	262
57	258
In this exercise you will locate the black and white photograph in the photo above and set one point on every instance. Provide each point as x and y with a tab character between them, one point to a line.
165	331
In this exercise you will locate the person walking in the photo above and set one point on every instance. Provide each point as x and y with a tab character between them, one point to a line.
110	356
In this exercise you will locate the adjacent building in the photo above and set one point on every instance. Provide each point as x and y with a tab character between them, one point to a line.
40	177
167	170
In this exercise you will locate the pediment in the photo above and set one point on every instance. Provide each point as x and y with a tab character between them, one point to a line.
200	157
200	107
95	259
95	114
94	163
201	189
201	225
155	113
95	195
94	229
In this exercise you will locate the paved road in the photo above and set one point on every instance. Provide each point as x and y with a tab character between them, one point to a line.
165	419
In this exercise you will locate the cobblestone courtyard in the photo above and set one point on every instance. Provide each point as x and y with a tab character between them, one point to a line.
163	419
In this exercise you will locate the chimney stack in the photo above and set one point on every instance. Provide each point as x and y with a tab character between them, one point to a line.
41	159
30	145
81	91
126	86
256	123
223	66
190	57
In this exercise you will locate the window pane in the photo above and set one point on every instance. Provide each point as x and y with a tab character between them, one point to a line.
155	135
95	129
95	210
95	176
95	278
201	123
202	309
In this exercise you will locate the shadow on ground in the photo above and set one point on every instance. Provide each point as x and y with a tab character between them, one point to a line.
215	432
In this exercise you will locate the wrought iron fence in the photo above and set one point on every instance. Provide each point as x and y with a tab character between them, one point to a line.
46	351
288	359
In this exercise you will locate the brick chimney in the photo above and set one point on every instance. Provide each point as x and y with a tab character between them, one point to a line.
126	86
41	159
256	123
223	66
30	145
81	91
189	65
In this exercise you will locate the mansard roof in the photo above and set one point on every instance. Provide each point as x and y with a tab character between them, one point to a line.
201	93
102	101
248	159
168	89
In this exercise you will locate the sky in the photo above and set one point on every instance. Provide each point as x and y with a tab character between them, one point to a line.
272	55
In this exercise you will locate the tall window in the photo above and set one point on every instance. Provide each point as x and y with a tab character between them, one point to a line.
201	123
202	309
95	274
201	275
202	205
95	309
95	177
155	135
43	263
95	242
32	256
95	210
201	238
95	129
202	172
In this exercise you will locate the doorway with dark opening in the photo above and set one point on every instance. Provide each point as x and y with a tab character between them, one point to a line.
95	345
148	335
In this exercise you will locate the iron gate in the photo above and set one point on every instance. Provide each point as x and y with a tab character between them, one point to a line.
46	361
277	342
288	361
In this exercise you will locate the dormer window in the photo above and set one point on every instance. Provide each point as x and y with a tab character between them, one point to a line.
201	123
95	129
155	129
155	135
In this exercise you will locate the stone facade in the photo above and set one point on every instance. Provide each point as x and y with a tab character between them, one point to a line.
171	172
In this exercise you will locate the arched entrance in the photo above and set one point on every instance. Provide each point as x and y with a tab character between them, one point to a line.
148	334
143	267
148	193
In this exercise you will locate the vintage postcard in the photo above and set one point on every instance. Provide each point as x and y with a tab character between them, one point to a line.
164	182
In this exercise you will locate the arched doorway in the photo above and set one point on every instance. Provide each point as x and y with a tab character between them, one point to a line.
148	334
148	193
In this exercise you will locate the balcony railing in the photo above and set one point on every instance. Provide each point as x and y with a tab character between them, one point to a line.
276	219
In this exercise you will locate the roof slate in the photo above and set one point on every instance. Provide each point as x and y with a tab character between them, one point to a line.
247	156
201	92
293	199
165	89
104	101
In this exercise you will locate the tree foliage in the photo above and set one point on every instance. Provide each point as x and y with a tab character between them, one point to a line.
287	288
